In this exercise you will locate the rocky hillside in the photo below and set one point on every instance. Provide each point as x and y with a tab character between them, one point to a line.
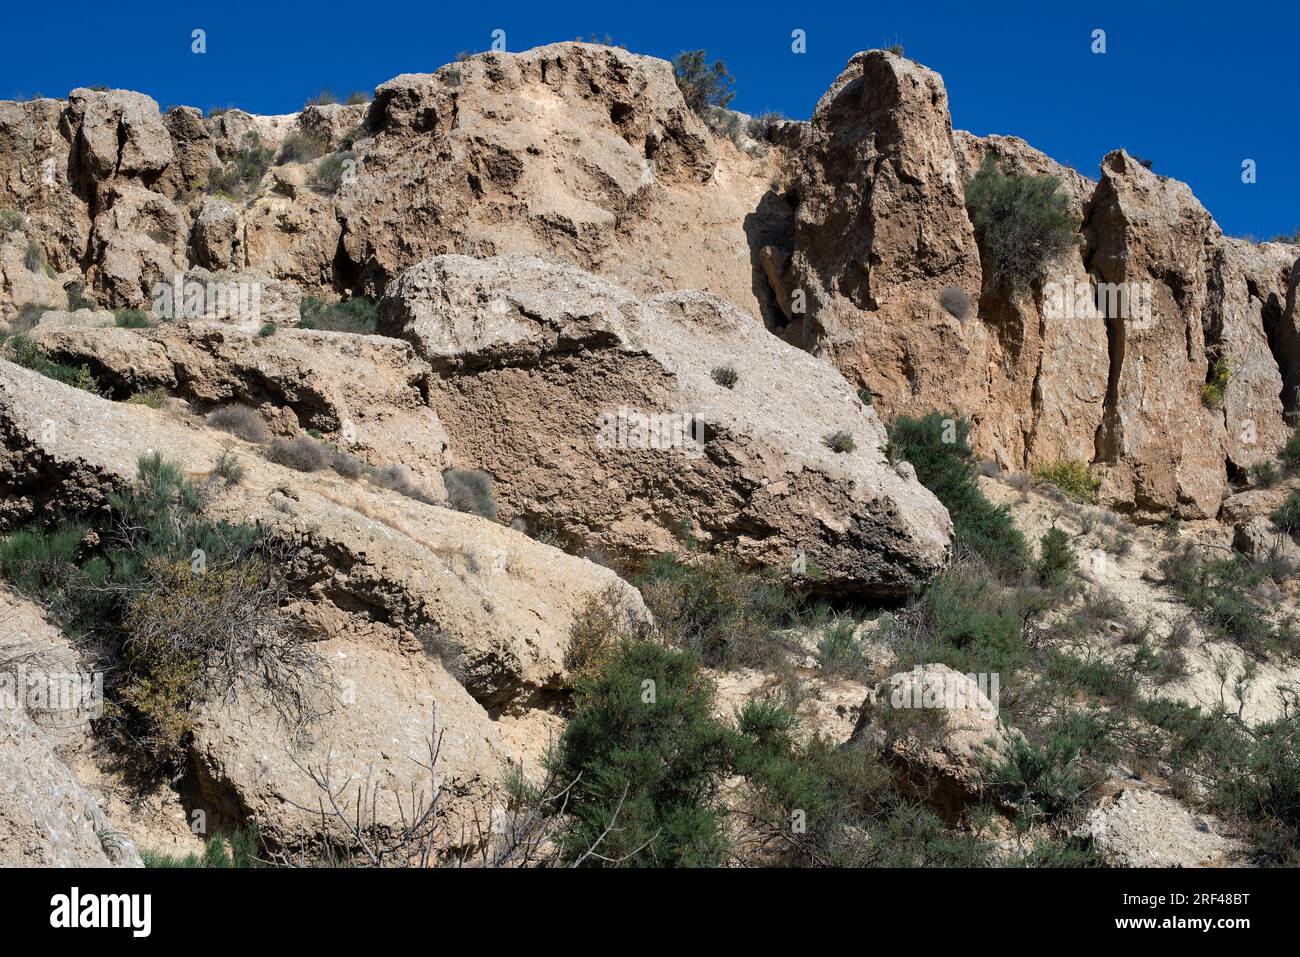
390	449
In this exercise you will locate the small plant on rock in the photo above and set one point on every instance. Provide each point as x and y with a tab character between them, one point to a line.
725	376
840	441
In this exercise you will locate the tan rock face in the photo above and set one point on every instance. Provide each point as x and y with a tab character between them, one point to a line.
575	150
364	393
1164	448
583	403
1048	358
881	229
47	818
951	770
1143	828
487	602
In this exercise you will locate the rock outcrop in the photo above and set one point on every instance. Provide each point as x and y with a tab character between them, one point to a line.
610	420
457	594
47	818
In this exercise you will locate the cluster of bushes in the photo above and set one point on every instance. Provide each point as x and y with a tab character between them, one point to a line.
177	608
1225	594
24	352
1072	477
358	315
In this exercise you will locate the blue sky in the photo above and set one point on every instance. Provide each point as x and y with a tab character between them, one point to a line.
1194	87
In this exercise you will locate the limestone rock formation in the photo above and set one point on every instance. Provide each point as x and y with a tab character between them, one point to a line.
364	393
1139	827
47	818
600	417
950	770
880	231
457	593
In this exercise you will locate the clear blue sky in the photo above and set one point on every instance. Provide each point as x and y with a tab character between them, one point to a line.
1195	87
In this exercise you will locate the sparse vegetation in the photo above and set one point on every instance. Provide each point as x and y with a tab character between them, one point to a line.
154	398
132	319
356	315
1022	223
331	171
397	478
241	422
1287	515
1220	374
177	608
301	453
299	147
1264	474
955	301
227	468
470	491
29	355
1072	477
242	172
840	441
725	376
268	329
709	605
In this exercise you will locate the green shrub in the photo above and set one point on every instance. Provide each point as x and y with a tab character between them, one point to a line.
239	852
268	329
706	603
323	98
227	468
154	398
864	396
1223	593
645	758
1072	477
725	376
329	173
1287	515
841	441
1056	559
1264	474
167	632
976	623
1290	454
357	315
244	170
357	98
132	319
1022	223
702	86
839	652
28	355
1264	792
11	221
1220	375
470	491
301	148
939	449
1042	782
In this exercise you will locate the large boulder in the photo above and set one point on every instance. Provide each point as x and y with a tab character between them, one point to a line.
949	765
1139	827
600	416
